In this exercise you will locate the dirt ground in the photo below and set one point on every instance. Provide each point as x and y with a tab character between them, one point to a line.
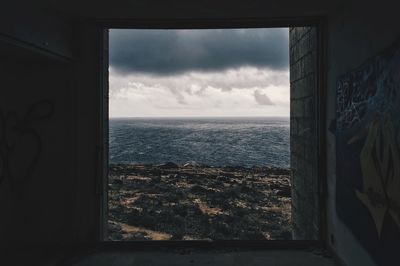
192	202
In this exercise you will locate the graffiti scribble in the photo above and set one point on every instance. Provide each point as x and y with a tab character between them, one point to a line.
12	129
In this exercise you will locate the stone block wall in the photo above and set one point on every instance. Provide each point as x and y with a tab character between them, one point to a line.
303	133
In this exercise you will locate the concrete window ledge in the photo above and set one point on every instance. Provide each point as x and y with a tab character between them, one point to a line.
207	257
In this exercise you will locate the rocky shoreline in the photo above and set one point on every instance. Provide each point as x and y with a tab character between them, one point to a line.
197	202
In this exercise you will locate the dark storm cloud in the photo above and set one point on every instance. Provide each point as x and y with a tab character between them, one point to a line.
164	52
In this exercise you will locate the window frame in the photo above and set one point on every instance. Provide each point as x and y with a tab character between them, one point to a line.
103	128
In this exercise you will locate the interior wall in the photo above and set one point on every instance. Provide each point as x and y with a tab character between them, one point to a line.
32	26
37	162
357	32
37	128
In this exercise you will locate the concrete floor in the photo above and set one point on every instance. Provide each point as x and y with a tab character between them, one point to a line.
209	258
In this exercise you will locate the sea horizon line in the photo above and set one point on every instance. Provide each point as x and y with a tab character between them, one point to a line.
192	117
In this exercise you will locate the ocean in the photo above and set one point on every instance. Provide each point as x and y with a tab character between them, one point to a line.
256	141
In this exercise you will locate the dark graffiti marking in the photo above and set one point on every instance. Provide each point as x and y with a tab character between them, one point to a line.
353	93
368	154
14	128
380	167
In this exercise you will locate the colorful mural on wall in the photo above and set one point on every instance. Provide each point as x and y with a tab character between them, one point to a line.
368	154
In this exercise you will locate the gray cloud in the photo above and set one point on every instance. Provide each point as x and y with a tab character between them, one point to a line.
262	99
178	95
164	52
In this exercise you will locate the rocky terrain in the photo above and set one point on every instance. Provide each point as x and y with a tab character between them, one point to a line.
193	202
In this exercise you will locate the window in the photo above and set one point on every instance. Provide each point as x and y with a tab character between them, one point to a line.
199	134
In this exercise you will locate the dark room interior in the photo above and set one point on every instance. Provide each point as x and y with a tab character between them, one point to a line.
344	82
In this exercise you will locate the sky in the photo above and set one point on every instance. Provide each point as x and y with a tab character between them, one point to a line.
199	73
